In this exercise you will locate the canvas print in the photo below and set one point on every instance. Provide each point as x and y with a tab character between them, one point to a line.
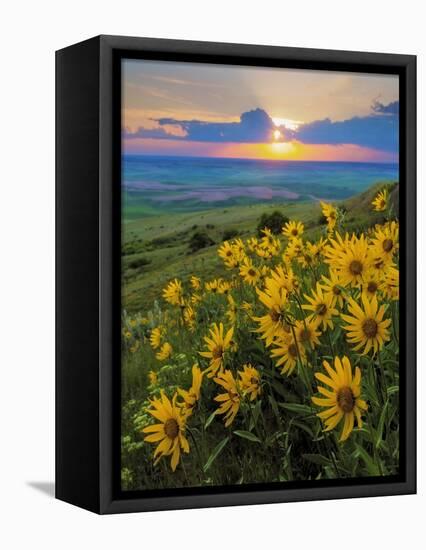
260	275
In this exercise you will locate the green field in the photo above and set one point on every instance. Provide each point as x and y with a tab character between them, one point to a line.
156	247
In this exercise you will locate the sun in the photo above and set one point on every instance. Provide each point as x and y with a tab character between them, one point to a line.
277	135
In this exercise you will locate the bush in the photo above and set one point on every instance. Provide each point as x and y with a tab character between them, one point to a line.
274	222
139	262
199	240
229	234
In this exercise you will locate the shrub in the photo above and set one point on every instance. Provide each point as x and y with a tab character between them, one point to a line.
274	222
199	240
139	262
229	234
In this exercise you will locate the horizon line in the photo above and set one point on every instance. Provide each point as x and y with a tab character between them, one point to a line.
125	154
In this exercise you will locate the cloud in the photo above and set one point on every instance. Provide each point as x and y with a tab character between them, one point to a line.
390	109
378	130
253	127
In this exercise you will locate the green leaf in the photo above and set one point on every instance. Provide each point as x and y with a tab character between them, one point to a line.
247	435
393	389
216	451
274	405
209	420
296	407
381	425
279	388
317	459
372	468
304	427
256	410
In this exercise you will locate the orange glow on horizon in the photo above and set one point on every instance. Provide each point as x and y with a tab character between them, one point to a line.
292	150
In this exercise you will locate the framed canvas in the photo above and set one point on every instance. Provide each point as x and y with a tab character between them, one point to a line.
236	282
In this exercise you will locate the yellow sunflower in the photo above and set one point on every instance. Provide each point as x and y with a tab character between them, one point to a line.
372	283
332	286
350	259
191	396
330	214
173	293
390	284
273	323
196	298
249	272
385	242
366	326
230	401
250	381
153	377
321	305
155	337
218	344
213	286
224	287
293	229
294	249
165	352
189	317
380	201
342	397
229	254
169	433
287	352
195	282
231	312
307	333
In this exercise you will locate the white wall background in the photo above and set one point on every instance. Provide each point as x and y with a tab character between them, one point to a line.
30	32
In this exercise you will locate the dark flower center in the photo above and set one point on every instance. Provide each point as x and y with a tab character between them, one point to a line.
387	245
336	290
294	232
274	315
252	272
171	428
286	327
232	395
345	399
321	309
370	328
372	287
292	350
355	267
305	335
217	352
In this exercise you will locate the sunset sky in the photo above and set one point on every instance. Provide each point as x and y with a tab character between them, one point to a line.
190	109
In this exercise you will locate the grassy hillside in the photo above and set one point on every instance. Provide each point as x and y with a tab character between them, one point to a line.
157	249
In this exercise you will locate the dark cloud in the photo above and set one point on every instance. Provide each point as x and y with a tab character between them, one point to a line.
390	109
253	127
378	130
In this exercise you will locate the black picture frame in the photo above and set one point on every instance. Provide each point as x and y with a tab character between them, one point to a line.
88	272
